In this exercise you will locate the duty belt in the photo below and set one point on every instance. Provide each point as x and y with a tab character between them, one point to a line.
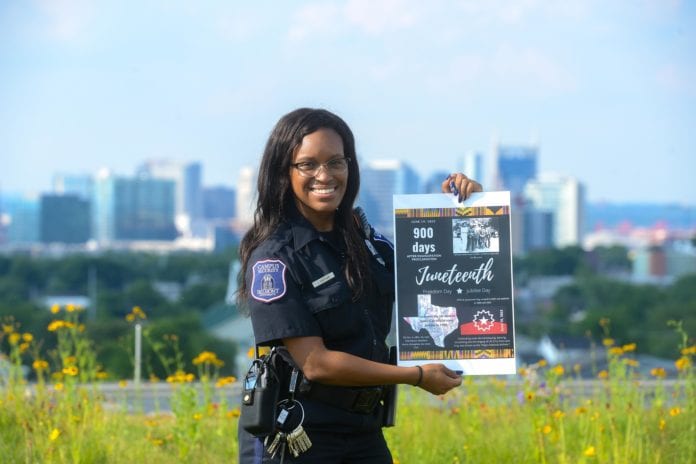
360	400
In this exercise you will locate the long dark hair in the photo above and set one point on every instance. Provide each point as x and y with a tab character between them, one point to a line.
276	198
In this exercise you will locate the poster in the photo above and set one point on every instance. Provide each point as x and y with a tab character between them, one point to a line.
454	300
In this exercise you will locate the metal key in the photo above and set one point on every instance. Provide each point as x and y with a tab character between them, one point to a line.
298	441
278	442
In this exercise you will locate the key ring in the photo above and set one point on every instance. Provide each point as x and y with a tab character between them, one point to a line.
292	406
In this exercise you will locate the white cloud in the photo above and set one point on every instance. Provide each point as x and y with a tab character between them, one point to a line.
379	16
372	17
509	70
314	19
67	19
675	79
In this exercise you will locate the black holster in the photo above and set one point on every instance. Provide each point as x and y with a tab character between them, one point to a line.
260	394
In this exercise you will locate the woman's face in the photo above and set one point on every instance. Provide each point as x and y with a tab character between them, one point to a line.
318	177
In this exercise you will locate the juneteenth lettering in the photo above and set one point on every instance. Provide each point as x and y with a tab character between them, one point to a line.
452	276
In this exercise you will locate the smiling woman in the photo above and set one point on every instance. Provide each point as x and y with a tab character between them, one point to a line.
318	282
319	177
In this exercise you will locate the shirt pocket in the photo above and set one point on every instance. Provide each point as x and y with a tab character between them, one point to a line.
332	307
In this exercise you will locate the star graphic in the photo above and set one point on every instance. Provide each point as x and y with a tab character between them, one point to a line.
459	290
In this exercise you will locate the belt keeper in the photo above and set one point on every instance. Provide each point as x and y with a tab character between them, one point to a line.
420	376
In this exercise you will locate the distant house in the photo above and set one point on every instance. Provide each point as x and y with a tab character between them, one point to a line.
560	349
225	322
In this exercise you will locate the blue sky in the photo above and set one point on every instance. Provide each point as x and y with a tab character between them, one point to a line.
607	89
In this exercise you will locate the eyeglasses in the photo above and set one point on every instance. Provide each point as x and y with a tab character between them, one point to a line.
311	168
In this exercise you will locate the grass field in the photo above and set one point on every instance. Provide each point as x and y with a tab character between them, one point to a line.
537	418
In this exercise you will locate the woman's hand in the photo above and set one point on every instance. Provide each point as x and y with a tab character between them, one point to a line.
438	379
460	185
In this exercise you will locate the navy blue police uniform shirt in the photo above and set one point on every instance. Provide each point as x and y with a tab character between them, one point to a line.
298	289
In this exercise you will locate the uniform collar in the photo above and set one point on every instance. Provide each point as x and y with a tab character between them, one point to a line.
303	231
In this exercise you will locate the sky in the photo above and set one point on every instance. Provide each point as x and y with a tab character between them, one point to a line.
606	89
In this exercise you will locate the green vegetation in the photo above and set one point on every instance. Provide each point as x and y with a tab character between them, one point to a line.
123	281
538	417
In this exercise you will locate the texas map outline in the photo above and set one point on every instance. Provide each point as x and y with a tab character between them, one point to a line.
438	321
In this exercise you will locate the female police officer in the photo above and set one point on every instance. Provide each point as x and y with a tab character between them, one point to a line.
320	283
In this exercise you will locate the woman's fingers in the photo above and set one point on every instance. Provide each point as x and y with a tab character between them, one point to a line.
460	186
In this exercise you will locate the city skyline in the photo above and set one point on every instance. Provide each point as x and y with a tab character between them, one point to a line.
606	91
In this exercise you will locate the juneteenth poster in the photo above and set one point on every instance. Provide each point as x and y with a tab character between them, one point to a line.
454	282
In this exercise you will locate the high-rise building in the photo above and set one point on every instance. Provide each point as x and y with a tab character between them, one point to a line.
188	189
81	185
133	208
472	165
514	167
20	215
64	219
564	197
219	203
379	180
246	197
434	182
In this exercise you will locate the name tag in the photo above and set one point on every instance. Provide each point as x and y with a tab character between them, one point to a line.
323	279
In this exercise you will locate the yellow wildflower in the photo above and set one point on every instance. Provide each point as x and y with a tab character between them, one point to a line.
71	371
547	429
522	371
530	396
663	424
70	360
70	307
137	312
542	363
658	372
629	347
58	386
608	342
675	411
590	452
603	322
557	414
558	369
122	383
130	317
580	410
222	381
40	365
55	325
233	413
682	363
205	357
157	441
197	416
53	436
55	309
23	347
689	350
102	375
616	351
14	338
631	362
27	337
603	375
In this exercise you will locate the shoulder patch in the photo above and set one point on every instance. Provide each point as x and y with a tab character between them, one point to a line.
268	282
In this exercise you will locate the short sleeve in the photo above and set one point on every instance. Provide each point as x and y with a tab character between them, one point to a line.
276	305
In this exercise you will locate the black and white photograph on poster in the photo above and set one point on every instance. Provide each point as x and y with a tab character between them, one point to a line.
475	235
454	282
